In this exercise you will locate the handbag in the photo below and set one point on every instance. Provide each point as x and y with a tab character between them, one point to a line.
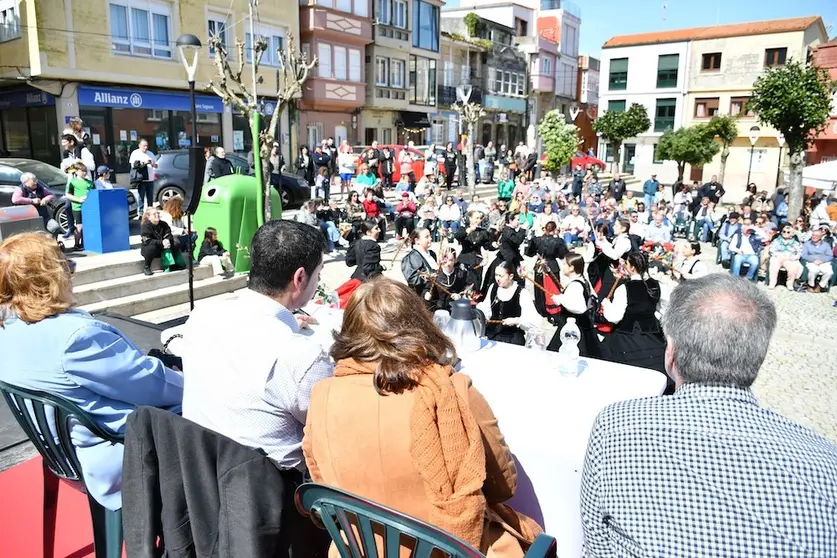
167	259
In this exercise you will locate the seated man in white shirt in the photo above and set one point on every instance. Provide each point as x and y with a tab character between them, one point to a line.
658	231
251	371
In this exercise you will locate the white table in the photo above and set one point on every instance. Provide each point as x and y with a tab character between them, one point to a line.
546	418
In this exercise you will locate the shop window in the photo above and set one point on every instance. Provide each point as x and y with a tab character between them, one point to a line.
155	115
141	29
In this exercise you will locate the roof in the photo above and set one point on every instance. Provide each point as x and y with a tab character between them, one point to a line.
716	32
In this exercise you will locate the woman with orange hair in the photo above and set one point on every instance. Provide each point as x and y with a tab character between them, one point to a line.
398	426
75	356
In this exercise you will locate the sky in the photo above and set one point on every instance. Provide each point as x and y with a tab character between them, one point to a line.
606	18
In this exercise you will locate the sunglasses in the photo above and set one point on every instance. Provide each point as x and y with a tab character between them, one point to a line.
787	231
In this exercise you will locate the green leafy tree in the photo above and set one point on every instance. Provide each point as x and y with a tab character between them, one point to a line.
725	128
795	99
560	140
693	145
616	127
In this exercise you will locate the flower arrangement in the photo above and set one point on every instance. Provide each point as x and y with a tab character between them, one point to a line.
325	296
659	252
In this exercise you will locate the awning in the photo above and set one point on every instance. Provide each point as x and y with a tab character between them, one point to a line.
414	120
822	176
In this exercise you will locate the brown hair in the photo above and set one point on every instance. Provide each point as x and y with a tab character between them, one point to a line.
174	206
386	322
34	278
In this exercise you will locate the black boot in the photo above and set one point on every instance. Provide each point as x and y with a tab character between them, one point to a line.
147	270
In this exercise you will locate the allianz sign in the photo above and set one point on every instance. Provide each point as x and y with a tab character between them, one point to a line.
104	97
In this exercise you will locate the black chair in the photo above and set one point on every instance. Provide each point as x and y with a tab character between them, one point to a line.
34	411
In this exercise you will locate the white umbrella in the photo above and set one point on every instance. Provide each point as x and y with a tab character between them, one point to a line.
822	176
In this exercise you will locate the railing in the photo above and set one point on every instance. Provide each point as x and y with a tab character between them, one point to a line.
569	7
446	94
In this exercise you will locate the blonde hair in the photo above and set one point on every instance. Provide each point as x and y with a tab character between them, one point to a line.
34	278
147	213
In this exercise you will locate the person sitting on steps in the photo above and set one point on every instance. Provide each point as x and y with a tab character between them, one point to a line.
156	239
212	252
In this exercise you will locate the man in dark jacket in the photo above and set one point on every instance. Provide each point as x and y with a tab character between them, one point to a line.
322	160
617	187
712	190
220	166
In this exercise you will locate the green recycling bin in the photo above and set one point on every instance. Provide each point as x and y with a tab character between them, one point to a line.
229	204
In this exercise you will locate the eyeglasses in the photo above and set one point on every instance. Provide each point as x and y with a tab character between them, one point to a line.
787	231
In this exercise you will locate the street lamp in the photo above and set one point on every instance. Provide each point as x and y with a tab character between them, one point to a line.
781	140
755	132
189	47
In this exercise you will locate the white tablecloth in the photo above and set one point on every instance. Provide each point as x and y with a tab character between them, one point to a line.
545	417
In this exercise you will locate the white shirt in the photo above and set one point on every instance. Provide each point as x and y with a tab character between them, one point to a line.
251	374
692	268
574	223
346	163
615	311
449	212
529	316
428	257
572	299
148	158
621	246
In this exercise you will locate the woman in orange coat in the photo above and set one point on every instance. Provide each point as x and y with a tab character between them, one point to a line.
398	426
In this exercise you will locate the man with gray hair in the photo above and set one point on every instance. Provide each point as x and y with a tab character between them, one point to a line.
706	471
31	192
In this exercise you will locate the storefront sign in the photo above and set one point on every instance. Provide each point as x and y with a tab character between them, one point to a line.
26	98
126	98
502	118
506	104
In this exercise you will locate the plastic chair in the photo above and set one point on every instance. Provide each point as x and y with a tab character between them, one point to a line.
345	516
34	412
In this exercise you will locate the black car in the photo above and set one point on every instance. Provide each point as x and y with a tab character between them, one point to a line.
173	174
52	178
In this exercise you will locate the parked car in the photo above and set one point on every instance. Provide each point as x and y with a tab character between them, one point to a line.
51	178
585	160
173	175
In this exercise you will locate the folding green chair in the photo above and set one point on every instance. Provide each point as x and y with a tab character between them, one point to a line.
34	412
345	515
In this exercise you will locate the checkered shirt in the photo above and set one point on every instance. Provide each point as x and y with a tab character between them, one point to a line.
706	473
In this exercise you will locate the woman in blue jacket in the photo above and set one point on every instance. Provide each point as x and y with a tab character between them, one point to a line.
47	345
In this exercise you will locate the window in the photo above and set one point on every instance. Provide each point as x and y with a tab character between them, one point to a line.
399	14
9	23
616	106
155	115
354	66
340	70
422	81
275	38
384	14
141	30
569	40
667	70
381	71
618	80
324	58
738	107
657	159
521	27
664	115
507	83
546	66
398	69
344	6
386	136
218	28
362	8
706	108
711	62
437	134
775	57
425	25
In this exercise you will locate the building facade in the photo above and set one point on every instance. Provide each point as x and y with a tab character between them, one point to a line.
461	64
685	77
337	32
117	68
825	146
402	66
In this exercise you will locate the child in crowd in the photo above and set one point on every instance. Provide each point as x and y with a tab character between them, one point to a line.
77	189
103	178
213	253
318	189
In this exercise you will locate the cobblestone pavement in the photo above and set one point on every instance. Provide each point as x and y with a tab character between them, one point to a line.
799	376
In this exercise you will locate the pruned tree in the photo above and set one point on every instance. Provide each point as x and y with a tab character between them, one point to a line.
560	140
470	113
229	85
795	99
725	128
616	127
692	145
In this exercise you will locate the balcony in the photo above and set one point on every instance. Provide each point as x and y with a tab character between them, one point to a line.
447	95
542	83
338	26
330	94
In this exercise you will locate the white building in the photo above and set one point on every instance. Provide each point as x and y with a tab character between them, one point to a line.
589	70
686	76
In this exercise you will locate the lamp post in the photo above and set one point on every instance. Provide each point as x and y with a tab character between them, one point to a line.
781	140
754	138
189	47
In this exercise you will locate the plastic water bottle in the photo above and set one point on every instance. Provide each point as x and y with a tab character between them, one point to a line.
568	353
